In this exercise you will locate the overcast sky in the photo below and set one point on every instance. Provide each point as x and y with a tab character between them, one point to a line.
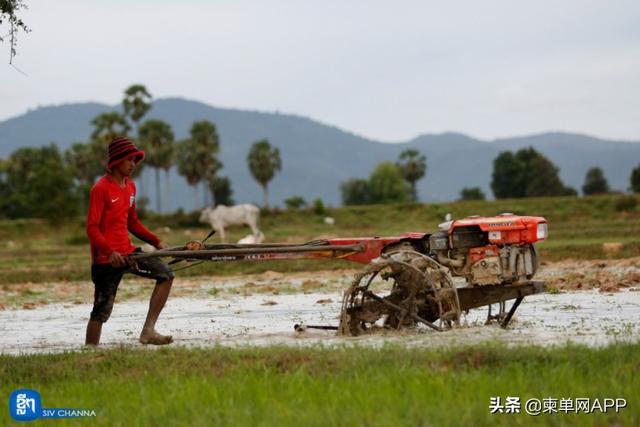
388	70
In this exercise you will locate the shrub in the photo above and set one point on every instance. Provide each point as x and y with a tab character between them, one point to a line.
295	202
626	203
318	207
474	193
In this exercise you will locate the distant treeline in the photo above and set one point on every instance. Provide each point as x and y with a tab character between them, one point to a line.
47	183
525	173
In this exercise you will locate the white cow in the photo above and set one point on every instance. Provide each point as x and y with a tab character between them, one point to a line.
223	216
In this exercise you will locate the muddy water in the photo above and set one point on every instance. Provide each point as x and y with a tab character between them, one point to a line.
588	317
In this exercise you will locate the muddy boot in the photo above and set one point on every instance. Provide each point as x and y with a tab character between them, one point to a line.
154	338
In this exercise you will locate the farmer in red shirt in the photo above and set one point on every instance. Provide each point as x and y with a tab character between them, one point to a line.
112	215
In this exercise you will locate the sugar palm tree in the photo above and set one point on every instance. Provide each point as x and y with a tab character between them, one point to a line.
85	163
413	167
136	103
107	126
197	155
167	158
156	138
264	161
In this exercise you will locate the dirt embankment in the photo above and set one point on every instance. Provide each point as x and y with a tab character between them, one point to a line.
604	275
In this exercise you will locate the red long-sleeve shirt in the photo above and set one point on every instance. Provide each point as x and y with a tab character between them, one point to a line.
112	214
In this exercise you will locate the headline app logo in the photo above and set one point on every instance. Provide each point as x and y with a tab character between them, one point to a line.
26	405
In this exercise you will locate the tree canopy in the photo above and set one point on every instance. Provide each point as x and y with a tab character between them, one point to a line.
595	182
506	180
157	140
85	162
264	161
220	188
541	177
107	126
355	191
527	173
295	202
37	183
635	179
197	155
387	184
474	193
413	167
136	102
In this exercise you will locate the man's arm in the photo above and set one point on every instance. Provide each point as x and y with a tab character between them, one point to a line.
140	231
94	216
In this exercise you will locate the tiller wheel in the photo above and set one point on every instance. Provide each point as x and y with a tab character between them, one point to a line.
422	291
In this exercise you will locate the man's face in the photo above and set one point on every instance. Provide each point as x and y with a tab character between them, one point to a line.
126	167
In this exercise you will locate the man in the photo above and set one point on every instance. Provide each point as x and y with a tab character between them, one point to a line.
112	214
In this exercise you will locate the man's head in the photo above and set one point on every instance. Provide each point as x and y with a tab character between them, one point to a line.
125	167
123	156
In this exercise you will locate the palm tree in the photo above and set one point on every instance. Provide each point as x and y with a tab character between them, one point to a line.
85	164
187	157
167	157
413	167
205	134
107	126
156	137
197	155
136	103
264	162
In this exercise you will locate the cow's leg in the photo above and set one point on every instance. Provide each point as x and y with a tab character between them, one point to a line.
223	237
254	227
219	230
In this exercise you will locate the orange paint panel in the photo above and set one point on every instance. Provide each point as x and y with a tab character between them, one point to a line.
476	254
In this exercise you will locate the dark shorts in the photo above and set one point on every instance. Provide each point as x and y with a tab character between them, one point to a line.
107	278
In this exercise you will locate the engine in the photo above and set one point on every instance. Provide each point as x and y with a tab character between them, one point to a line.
490	250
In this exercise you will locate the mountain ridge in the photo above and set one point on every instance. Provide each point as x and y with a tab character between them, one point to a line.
317	156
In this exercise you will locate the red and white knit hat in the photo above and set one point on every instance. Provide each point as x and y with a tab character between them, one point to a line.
121	149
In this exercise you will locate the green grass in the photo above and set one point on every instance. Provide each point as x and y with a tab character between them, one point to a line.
354	386
33	251
390	386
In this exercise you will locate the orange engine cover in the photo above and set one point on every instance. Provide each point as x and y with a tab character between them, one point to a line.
507	228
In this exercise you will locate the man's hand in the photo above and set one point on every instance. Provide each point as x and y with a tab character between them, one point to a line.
162	245
116	260
194	245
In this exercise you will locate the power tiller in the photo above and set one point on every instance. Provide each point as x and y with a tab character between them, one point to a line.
495	256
